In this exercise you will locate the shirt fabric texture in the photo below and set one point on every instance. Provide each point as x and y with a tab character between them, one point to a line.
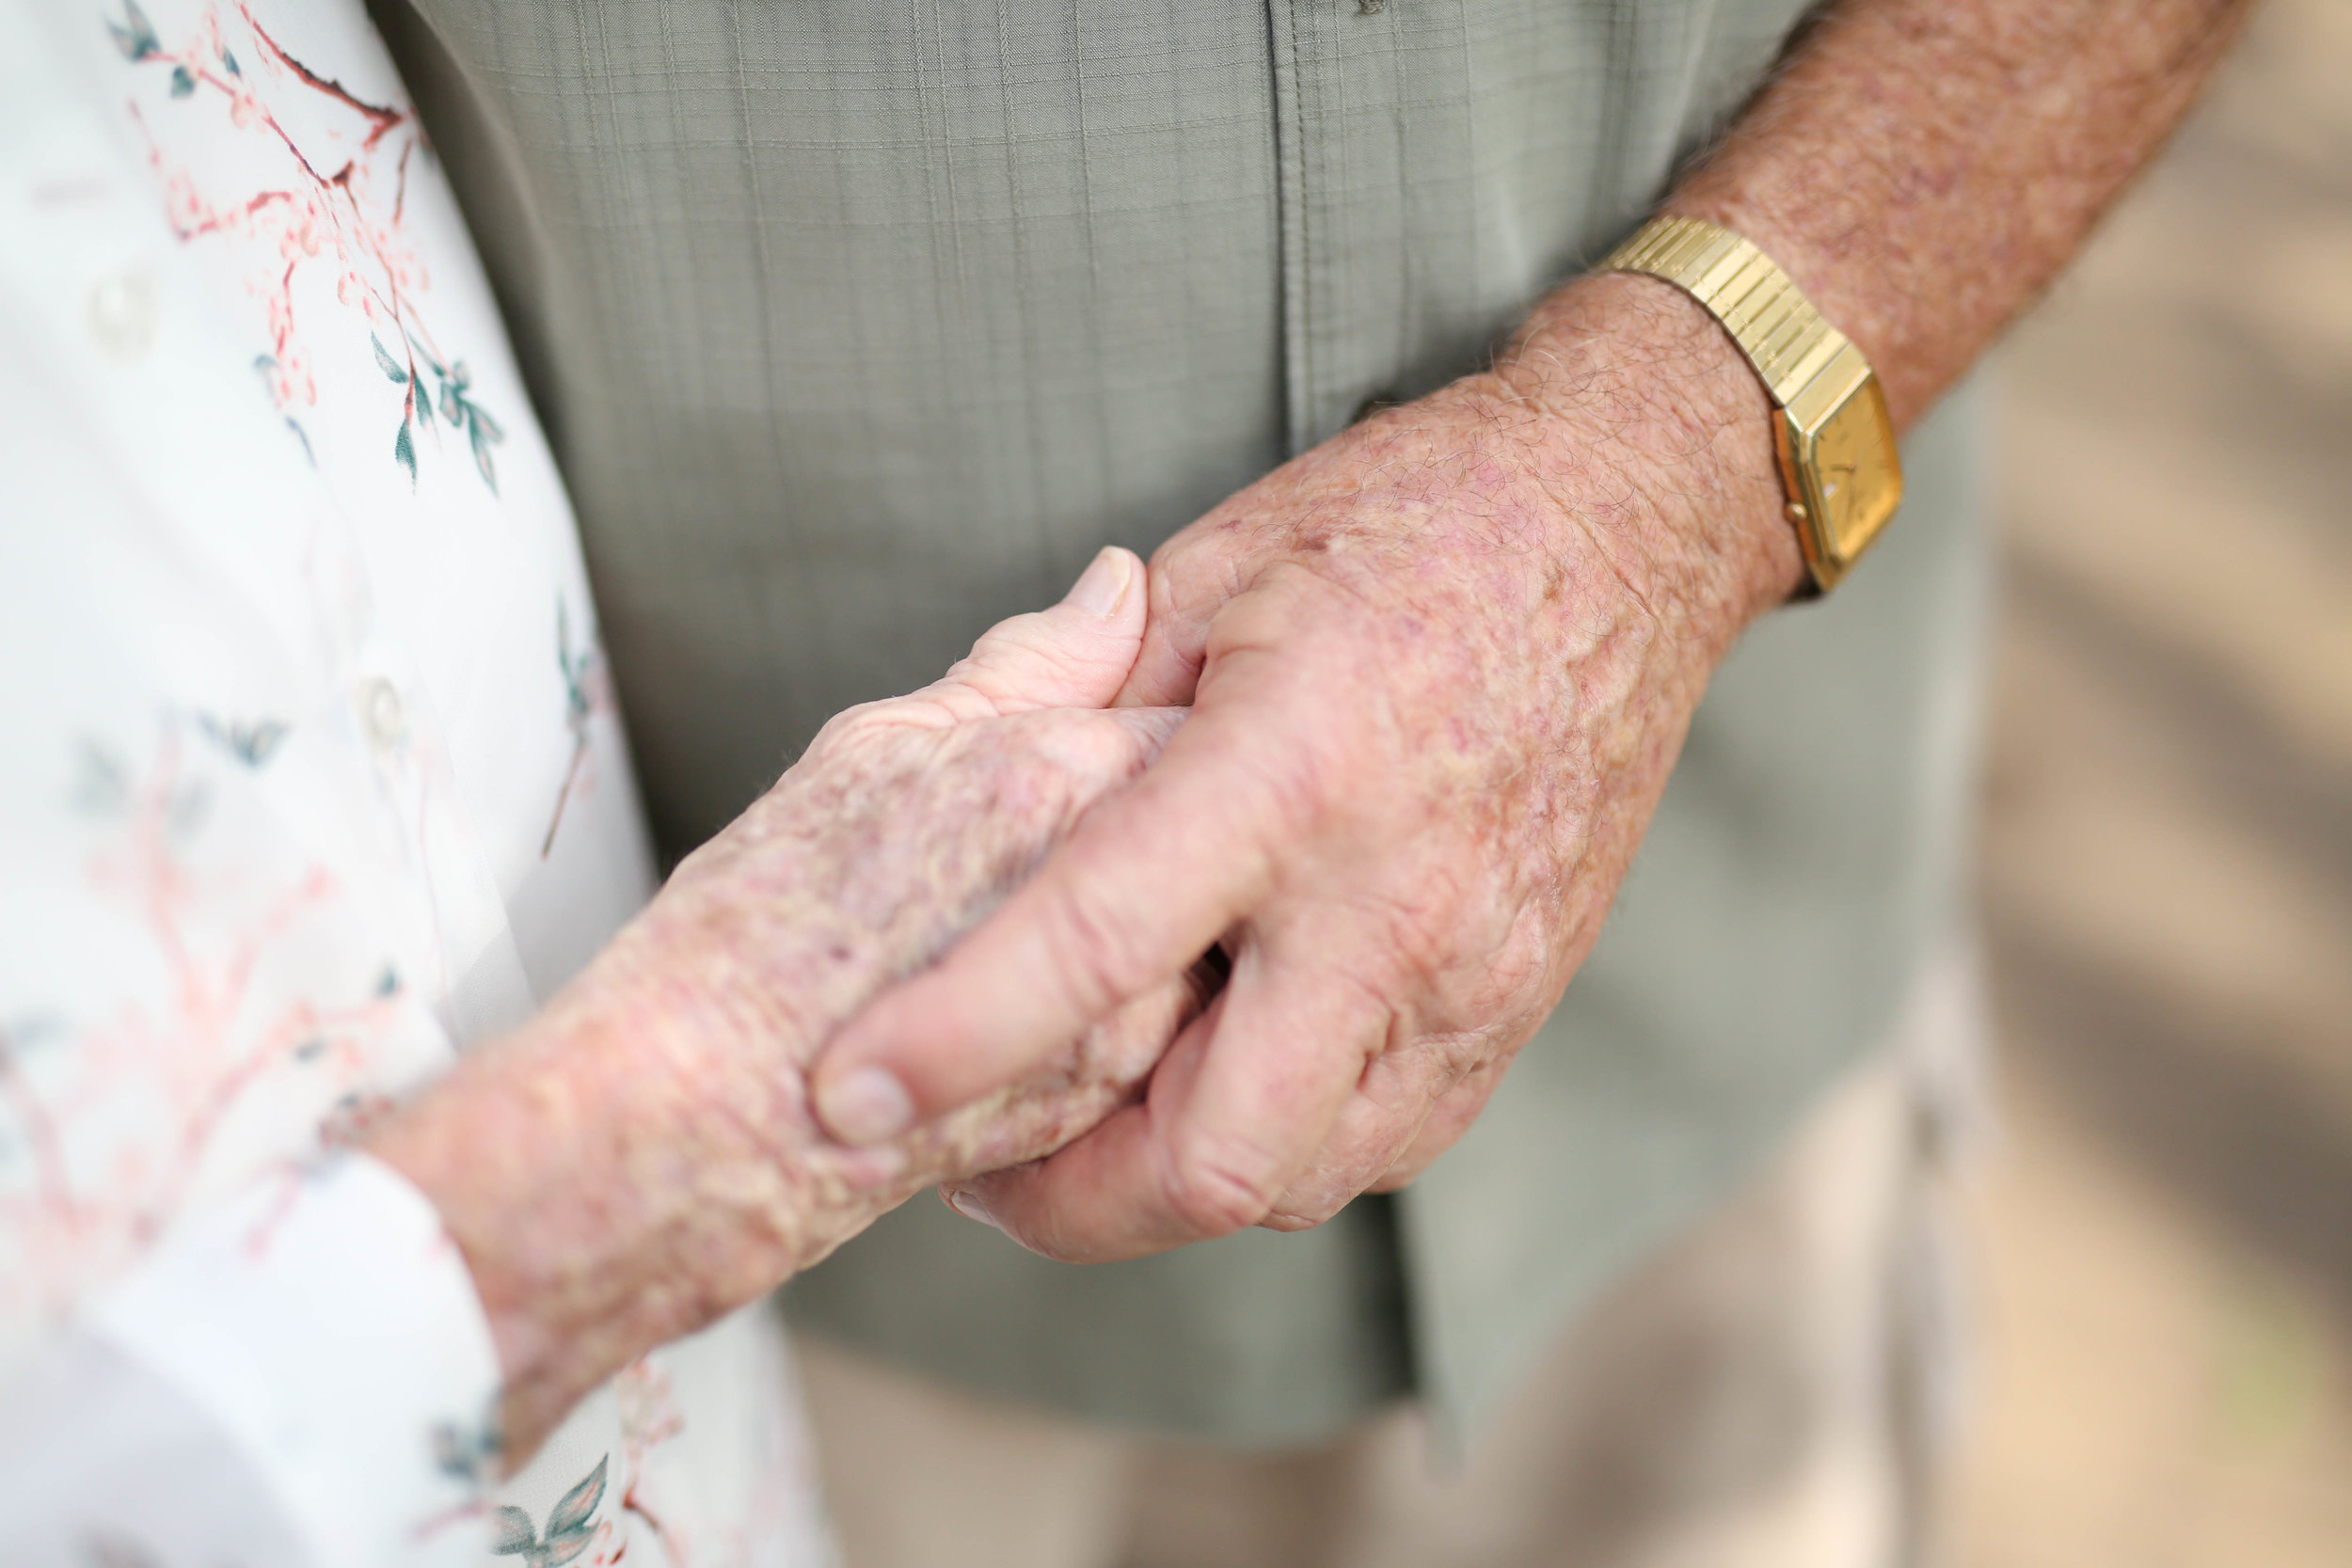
859	324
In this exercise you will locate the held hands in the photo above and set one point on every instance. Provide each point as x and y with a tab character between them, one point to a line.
1436	669
1440	668
642	1158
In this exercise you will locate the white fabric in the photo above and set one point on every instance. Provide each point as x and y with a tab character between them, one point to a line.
315	1296
104	1462
309	777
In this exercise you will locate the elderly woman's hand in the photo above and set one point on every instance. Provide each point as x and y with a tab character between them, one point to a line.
641	1157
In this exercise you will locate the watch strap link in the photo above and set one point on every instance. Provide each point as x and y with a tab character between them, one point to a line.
1792	344
1836	447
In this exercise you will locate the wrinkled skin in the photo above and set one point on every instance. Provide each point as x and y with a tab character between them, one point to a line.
642	1158
1443	662
1441	667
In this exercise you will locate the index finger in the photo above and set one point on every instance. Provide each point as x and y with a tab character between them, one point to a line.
1153	876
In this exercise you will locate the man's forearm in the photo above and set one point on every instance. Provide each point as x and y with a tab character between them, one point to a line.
1924	168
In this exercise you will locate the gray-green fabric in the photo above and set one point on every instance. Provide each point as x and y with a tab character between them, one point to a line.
858	326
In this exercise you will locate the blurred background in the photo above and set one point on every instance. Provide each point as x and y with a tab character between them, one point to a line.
2164	1221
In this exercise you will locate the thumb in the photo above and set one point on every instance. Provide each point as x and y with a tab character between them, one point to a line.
1075	655
1193	577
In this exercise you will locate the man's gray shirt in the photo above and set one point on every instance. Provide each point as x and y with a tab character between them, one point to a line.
860	324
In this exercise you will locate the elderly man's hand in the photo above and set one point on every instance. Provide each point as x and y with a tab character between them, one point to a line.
1442	663
1441	667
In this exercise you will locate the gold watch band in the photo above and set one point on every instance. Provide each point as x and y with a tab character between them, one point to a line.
1836	447
1785	338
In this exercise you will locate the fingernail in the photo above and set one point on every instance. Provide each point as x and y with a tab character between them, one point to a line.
865	1106
969	1207
1105	583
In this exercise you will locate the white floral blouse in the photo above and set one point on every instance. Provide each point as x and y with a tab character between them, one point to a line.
310	776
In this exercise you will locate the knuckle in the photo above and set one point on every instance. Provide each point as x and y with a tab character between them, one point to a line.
1304	782
1297	782
995	666
1093	747
1420	935
1366	1004
1217	1189
1197	567
852	721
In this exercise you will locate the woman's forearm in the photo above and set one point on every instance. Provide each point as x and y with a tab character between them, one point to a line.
639	1158
607	1202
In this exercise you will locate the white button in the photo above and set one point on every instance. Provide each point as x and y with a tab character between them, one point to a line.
381	711
123	315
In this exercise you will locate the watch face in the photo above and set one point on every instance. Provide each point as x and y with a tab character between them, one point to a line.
1854	479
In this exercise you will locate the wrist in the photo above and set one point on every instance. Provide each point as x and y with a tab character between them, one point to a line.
1630	372
496	1156
568	1165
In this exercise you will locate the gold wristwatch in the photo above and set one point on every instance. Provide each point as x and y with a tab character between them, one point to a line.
1837	445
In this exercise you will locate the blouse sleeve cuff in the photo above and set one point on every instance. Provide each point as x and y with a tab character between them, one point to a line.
327	1322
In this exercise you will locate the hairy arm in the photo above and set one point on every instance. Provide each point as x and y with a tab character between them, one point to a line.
1441	665
1924	170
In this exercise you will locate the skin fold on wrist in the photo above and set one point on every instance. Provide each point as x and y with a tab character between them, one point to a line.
1631	373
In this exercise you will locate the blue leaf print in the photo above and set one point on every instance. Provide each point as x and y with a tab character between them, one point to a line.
573	1511
513	1535
252	744
578	710
385	361
182	80
135	35
461	1451
481	432
571	1526
404	450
